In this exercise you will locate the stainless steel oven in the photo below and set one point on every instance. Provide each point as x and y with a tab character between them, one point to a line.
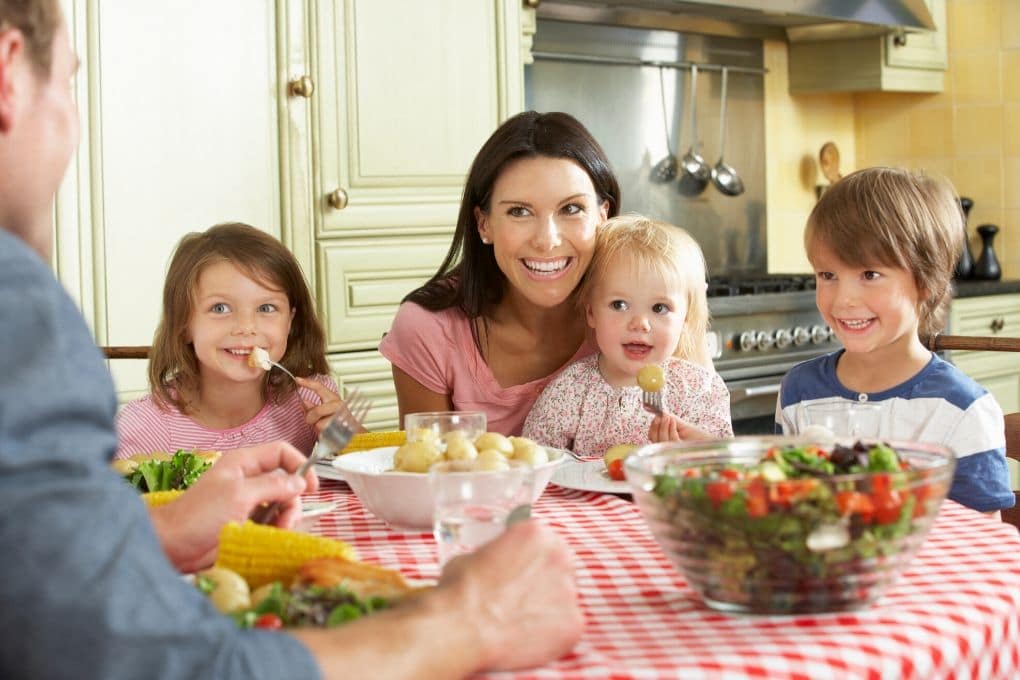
763	325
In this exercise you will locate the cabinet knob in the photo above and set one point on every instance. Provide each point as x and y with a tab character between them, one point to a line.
533	4
337	199
998	324
301	87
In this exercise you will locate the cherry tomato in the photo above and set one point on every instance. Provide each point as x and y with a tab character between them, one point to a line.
269	622
692	472
887	506
730	473
615	470
718	492
855	503
757	503
789	491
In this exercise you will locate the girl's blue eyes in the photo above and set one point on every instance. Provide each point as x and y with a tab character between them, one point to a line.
618	305
224	308
219	308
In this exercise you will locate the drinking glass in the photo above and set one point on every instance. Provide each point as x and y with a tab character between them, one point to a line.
844	419
434	424
473	502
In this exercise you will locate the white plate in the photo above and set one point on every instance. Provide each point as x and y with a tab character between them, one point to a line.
588	476
326	470
316	508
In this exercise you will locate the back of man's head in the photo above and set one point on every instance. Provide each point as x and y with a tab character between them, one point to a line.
38	21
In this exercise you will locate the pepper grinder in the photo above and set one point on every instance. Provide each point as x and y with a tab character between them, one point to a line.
965	265
987	266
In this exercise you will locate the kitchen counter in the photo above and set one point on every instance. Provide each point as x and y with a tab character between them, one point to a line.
976	288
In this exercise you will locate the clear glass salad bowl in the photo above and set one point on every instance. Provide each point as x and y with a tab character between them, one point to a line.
782	525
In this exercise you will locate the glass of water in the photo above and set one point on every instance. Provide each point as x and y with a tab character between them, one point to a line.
473	502
844	419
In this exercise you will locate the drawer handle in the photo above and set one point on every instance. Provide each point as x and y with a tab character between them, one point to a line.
998	324
337	199
301	87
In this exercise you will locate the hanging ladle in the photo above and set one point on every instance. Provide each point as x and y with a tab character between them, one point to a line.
695	168
665	170
725	177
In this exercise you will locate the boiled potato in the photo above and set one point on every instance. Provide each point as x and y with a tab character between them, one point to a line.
423	434
491	459
494	440
650	378
458	447
416	457
529	452
229	590
613	459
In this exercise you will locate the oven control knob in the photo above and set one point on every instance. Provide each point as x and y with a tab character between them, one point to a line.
748	341
783	338
832	334
819	334
801	335
765	340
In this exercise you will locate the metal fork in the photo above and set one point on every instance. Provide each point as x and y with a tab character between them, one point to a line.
336	435
652	401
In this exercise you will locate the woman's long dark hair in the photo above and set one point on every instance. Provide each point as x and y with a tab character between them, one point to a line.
469	277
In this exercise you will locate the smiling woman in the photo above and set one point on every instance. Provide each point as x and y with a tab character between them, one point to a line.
499	319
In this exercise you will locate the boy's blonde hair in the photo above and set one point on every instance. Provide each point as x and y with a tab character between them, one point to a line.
900	219
661	247
173	366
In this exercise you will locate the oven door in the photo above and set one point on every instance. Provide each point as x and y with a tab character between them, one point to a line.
753	404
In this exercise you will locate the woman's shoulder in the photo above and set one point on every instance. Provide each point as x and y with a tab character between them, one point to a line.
414	322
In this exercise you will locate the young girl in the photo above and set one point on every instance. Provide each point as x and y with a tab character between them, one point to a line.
228	290
644	298
883	244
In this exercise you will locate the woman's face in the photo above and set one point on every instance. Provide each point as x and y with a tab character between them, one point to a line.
541	225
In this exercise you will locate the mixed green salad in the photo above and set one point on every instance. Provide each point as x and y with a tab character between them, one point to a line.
179	472
303	605
785	524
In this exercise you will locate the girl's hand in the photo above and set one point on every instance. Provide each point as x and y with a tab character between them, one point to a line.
319	415
669	428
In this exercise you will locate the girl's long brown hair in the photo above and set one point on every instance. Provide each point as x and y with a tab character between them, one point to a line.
173	366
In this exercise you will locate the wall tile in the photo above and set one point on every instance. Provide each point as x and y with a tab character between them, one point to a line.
974	24
981	179
1011	128
1011	24
931	132
1011	71
978	130
976	77
882	133
1008	249
1011	182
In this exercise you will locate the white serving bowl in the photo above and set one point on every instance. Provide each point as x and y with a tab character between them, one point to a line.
404	499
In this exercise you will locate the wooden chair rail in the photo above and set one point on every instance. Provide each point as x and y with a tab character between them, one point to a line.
136	352
939	342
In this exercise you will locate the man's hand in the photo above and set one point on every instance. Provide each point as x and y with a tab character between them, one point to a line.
229	491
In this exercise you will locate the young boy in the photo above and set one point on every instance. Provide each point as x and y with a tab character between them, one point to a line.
883	244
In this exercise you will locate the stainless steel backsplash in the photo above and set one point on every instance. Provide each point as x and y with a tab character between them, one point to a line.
620	105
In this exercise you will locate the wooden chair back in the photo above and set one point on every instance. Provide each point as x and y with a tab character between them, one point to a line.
938	342
1012	515
136	352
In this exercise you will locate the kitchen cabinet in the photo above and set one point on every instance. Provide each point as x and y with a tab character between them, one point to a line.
343	127
988	315
880	63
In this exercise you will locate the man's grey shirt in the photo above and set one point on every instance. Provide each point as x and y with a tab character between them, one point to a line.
86	589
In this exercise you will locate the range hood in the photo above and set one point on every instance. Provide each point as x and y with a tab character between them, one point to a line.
790	19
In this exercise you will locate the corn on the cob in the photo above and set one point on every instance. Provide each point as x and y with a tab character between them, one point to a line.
157	498
371	440
263	554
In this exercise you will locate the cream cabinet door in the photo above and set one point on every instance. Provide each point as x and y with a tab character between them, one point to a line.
998	372
373	376
181	115
407	94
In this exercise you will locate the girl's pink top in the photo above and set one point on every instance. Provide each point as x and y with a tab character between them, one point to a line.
143	427
580	411
437	350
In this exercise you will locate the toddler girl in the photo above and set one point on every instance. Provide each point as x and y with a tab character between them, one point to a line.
883	244
230	289
644	297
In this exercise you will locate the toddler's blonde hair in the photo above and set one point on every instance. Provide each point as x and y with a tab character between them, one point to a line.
661	247
900	219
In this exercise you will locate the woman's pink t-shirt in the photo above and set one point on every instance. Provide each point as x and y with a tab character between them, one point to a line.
143	427
437	350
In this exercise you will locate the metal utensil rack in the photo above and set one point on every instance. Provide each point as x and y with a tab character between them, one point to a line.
637	61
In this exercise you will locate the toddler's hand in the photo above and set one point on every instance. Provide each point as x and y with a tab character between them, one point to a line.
669	428
319	415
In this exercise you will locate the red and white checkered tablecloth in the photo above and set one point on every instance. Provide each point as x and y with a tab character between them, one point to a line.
954	613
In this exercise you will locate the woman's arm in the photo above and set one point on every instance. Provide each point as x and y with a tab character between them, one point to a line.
413	397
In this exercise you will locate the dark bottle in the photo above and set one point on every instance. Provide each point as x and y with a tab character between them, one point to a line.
987	266
965	265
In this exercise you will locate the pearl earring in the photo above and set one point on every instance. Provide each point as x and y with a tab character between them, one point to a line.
485	240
